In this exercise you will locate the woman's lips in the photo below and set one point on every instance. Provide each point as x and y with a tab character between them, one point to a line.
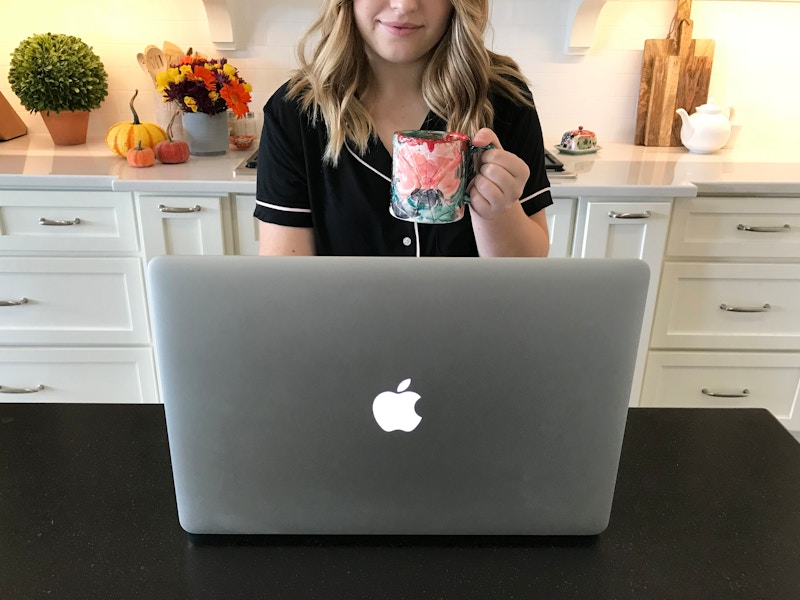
399	29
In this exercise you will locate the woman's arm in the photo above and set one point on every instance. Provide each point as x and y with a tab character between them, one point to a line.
512	234
499	222
281	240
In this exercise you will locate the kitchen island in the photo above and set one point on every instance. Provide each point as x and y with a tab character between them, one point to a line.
78	226
705	506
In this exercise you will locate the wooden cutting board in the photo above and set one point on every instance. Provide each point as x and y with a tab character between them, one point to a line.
676	72
11	126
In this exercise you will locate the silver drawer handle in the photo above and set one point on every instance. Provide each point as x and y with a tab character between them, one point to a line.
746	309
9	390
13	302
618	215
784	229
743	394
57	223
179	209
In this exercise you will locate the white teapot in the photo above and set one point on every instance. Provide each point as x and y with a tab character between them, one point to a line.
707	130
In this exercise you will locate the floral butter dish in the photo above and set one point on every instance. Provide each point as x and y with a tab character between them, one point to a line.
578	152
578	141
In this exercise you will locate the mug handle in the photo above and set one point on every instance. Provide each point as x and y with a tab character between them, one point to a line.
474	151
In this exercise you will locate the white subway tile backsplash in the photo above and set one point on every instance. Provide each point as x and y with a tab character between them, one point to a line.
753	68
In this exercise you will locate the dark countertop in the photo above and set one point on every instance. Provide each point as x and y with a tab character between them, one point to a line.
707	505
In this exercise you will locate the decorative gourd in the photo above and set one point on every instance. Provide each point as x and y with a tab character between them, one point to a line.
124	136
172	151
141	156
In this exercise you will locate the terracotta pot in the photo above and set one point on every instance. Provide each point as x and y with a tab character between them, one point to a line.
67	128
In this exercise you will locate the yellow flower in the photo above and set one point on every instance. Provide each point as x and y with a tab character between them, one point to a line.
229	70
190	103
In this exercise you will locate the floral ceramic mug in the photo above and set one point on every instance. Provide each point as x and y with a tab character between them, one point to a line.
430	171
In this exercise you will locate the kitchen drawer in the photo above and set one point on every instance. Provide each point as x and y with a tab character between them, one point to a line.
772	381
80	375
689	314
711	227
72	301
53	221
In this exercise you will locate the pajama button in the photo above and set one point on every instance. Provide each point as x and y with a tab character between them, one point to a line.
406	241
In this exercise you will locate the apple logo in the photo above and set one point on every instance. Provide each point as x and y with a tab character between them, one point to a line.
395	410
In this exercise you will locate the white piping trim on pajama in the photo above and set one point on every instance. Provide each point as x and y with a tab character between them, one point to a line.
283	208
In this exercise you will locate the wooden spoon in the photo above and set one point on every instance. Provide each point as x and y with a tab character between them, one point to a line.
155	60
172	53
143	63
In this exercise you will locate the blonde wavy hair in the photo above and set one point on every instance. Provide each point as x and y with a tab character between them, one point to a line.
455	84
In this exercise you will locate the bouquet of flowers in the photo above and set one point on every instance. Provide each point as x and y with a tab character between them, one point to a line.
205	85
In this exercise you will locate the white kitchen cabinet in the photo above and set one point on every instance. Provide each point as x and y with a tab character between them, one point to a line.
726	380
55	300
560	225
73	311
732	306
736	227
124	375
246	238
611	228
727	326
73	221
185	224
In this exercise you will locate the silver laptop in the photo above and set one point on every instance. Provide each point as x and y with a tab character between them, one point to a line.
395	396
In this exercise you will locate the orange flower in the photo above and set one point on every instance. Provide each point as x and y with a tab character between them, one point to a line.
237	97
207	77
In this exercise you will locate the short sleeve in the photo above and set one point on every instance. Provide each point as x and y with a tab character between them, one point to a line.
282	192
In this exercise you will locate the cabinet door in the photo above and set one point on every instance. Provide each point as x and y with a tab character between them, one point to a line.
735	227
72	301
726	380
629	230
246	225
67	221
184	224
728	306
560	219
78	375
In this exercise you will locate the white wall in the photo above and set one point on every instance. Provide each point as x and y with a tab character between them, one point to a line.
755	68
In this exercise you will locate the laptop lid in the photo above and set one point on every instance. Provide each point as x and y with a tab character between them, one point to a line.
355	395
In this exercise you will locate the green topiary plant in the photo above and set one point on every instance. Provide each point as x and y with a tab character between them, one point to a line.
55	72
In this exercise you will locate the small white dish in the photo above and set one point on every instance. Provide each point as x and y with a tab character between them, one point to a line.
576	152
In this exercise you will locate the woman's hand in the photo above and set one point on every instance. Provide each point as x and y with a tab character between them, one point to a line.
500	178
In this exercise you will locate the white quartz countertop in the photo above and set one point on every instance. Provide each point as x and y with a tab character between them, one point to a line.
32	161
621	170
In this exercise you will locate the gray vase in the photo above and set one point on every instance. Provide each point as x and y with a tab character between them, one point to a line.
207	135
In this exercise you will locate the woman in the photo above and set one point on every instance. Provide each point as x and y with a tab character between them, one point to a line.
324	165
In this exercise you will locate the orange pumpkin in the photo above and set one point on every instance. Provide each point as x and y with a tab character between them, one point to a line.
172	151
125	135
141	156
